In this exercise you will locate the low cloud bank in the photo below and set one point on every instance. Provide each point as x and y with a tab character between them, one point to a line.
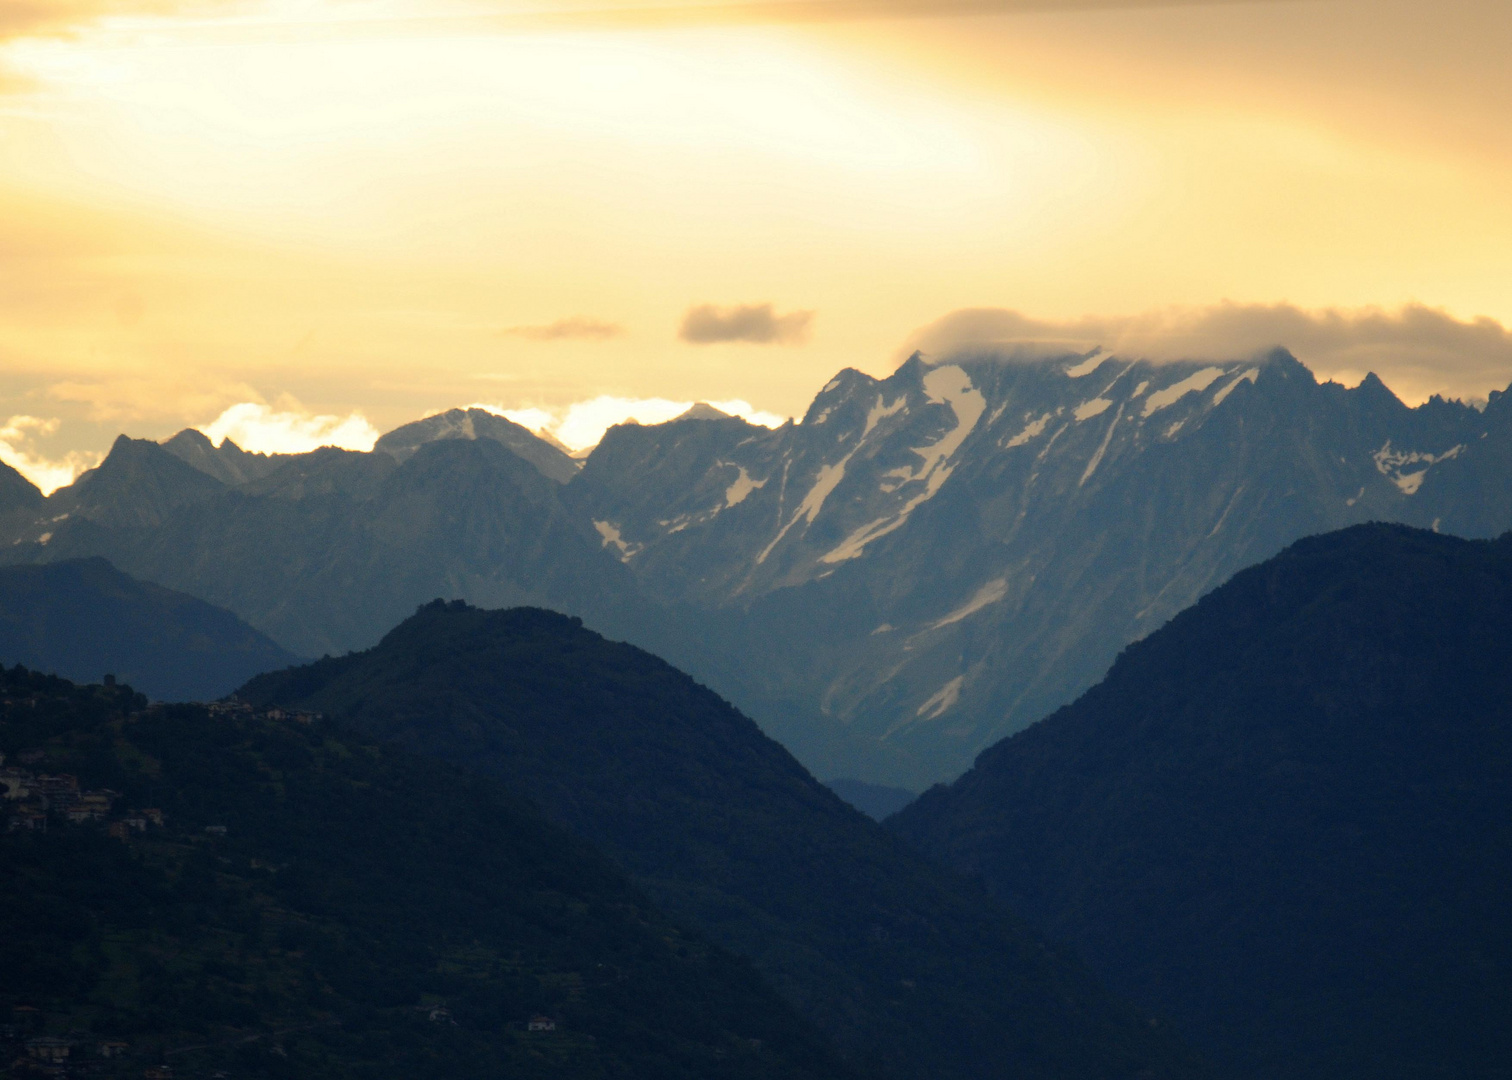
1418	351
582	424
757	324
262	429
577	328
18	449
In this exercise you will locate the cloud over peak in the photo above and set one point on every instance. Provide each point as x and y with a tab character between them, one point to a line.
289	429
1417	350
757	324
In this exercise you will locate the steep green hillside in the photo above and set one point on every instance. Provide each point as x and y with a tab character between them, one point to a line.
1285	818
315	906
84	619
914	972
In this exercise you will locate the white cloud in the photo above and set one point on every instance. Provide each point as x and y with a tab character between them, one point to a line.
17	450
583	423
263	430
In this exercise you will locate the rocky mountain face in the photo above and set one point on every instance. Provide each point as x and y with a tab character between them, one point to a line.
1282	819
552	461
913	971
327	549
931	561
228	463
84	619
922	565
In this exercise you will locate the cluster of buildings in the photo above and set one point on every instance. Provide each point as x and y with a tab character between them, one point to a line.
32	800
31	1053
233	707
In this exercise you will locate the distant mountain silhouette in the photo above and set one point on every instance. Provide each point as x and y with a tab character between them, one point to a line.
876	801
914	973
329	548
17	493
299	902
552	461
1285	818
228	463
84	619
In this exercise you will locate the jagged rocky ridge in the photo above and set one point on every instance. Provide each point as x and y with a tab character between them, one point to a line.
923	564
933	560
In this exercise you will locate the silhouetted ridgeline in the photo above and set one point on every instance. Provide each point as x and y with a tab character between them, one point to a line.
913	972
1286	818
224	891
84	619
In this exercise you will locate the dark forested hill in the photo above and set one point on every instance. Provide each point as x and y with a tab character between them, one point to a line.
264	896
84	619
1285	818
914	973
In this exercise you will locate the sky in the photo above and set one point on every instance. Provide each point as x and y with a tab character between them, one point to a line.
305	221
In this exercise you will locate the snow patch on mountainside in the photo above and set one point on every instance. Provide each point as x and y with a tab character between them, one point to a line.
989	593
830	475
1101	450
1088	409
736	493
828	479
1089	365
1033	430
1391	464
942	700
1194	383
1252	374
880	412
611	536
947	385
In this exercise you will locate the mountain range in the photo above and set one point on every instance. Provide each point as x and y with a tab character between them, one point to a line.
912	971
1285	819
922	565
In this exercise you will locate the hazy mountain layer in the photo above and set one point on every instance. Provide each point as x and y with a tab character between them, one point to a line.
913	972
922	565
261	896
933	560
1285	818
328	548
84	619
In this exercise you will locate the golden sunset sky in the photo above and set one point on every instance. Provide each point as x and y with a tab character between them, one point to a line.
296	221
